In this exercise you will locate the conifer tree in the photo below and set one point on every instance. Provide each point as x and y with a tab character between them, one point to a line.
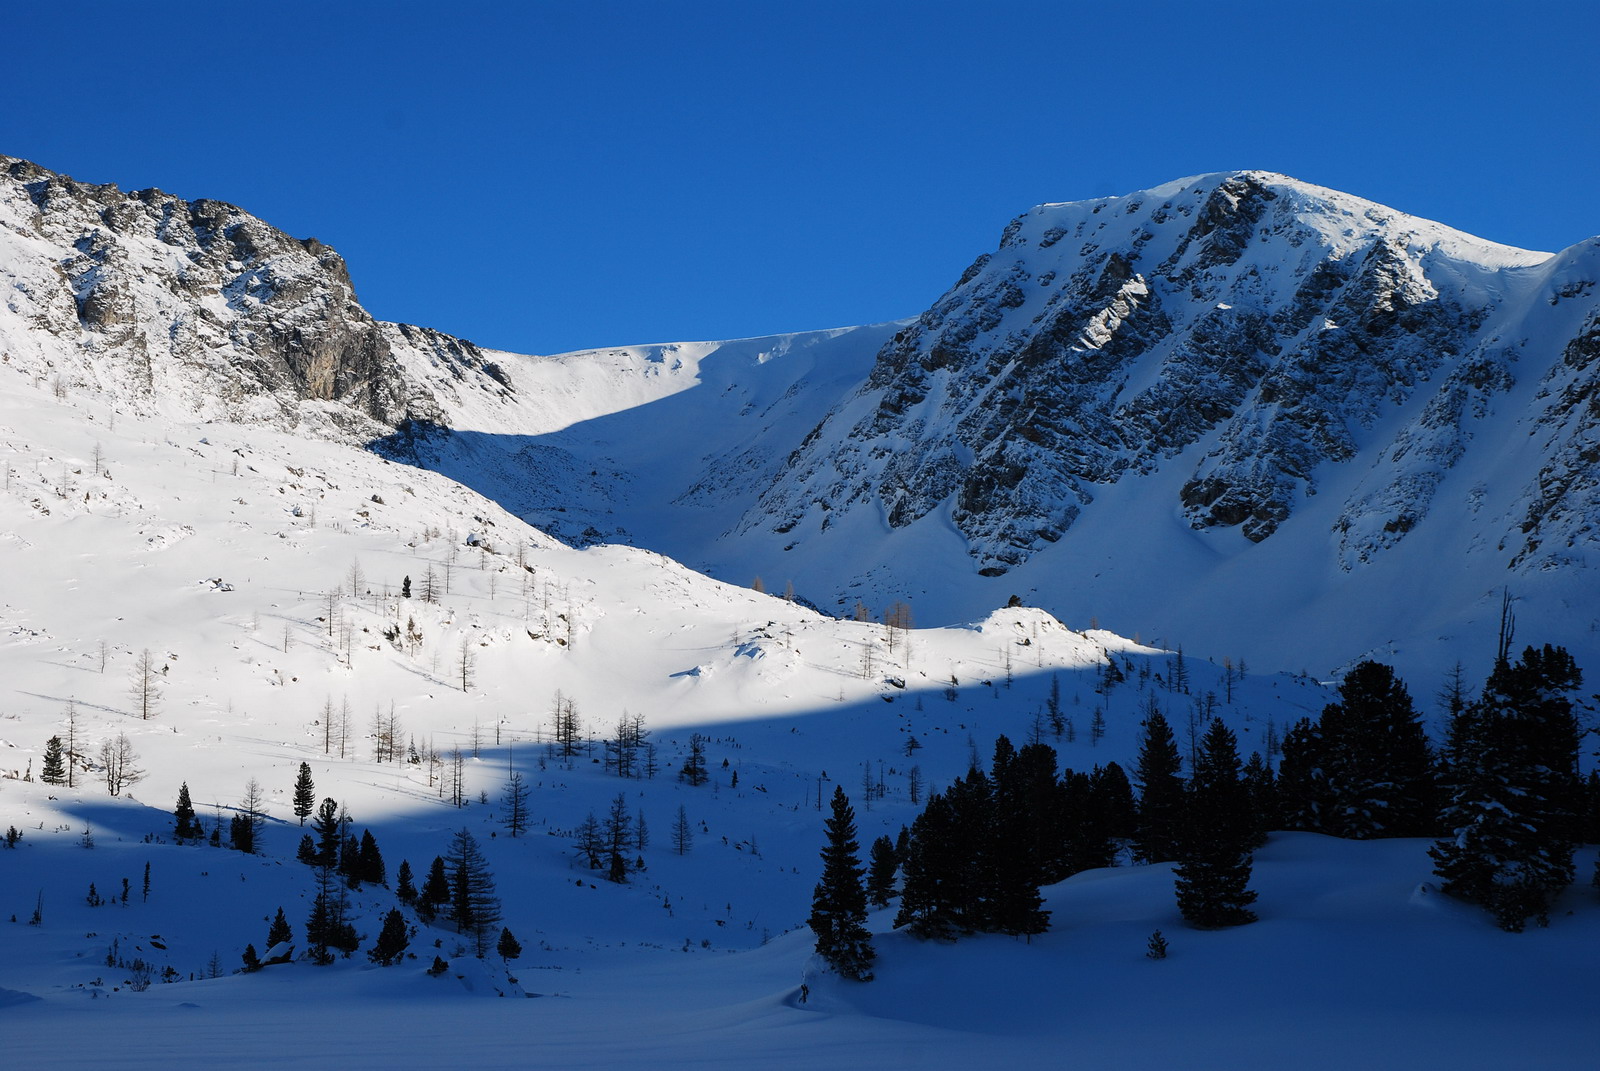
326	824
435	890
279	932
474	907
1261	796
404	890
880	871
252	961
392	940
1380	768
54	770
1038	792
508	946
305	794
1160	791
926	864
1112	798
1305	797
1013	902
1512	815
369	861
1086	842
839	903
1213	872
184	826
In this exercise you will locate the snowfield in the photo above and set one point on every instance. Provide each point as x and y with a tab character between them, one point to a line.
212	513
216	546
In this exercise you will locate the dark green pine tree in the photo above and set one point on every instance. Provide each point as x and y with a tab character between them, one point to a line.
305	794
279	932
252	962
1380	767
184	826
929	873
404	890
1161	797
975	884
1043	800
321	929
1088	837
392	940
435	890
326	825
1261	795
508	946
1213	871
839	903
1305	798
881	865
1112	798
369	861
1014	904
1514	793
54	771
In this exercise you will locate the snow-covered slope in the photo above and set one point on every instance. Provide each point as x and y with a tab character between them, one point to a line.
1269	418
1259	417
198	434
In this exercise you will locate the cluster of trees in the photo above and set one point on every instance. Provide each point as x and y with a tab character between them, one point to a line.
608	844
974	859
1503	795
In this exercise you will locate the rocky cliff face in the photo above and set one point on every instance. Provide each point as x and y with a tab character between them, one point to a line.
1260	338
195	307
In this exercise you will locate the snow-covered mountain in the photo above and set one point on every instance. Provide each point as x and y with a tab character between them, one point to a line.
1239	410
1262	418
200	437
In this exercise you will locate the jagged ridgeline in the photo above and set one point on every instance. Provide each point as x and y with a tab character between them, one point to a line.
198	307
1251	340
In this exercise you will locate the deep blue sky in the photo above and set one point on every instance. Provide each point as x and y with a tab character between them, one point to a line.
548	176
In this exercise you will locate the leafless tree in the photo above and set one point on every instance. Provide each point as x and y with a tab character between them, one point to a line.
145	685
117	759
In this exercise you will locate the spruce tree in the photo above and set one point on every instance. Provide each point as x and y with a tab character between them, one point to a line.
305	794
1014	905
1112	798
1514	793
369	861
927	866
252	961
508	946
1380	768
184	826
839	903
1305	797
54	770
326	824
1161	800
1261	798
1035	790
404	890
392	940
435	890
1213	872
279	932
881	866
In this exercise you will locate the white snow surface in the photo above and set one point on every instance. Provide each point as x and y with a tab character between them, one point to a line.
697	962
